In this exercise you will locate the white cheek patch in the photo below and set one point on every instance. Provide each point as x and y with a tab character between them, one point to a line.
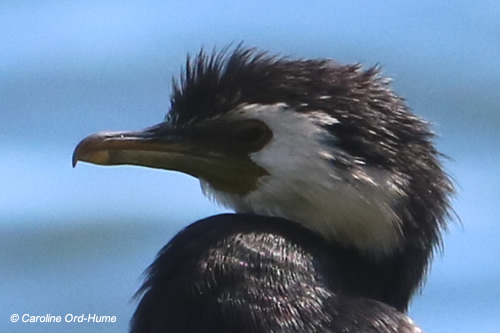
353	208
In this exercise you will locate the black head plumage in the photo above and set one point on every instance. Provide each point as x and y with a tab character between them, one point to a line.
213	84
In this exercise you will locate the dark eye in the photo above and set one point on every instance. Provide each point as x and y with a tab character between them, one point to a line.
253	135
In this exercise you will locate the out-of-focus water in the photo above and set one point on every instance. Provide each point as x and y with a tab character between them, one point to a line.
75	241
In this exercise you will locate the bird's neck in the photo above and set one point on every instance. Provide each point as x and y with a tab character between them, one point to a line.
360	217
392	279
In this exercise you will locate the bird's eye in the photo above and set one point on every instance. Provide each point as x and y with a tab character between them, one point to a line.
253	135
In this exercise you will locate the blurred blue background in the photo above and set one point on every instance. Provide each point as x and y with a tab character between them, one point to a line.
77	240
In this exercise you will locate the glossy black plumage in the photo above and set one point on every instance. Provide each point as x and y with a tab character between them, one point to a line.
248	273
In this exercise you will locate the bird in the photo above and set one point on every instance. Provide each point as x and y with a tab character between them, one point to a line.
339	195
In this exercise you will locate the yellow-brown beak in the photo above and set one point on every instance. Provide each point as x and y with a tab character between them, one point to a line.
206	154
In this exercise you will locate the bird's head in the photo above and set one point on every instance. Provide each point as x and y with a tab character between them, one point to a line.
326	145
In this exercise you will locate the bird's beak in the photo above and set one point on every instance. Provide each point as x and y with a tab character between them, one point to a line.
181	150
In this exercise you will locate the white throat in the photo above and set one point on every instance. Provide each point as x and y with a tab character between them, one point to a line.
354	208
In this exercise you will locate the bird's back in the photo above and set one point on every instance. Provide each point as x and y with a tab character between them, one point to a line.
249	273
